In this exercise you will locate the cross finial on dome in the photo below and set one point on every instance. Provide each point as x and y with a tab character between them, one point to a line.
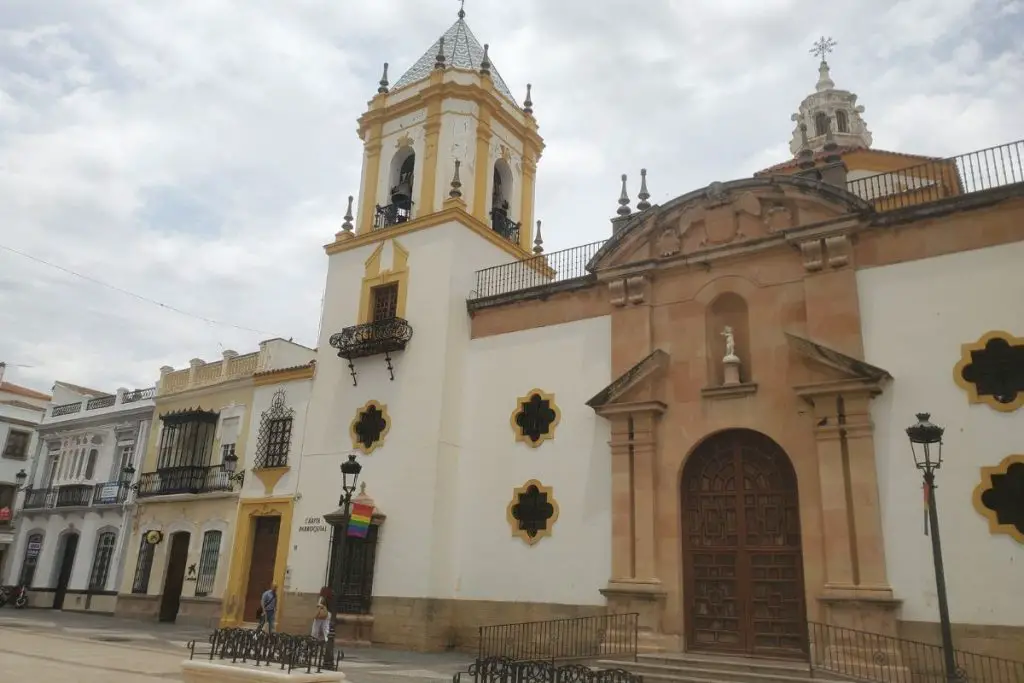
462	9
822	47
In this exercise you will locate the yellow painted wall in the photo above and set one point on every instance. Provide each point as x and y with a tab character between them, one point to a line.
239	393
195	514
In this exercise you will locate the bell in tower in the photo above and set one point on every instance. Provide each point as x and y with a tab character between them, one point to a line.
401	194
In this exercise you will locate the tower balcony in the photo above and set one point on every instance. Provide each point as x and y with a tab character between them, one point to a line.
372	339
505	226
392	214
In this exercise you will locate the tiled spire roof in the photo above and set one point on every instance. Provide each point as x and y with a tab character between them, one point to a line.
461	50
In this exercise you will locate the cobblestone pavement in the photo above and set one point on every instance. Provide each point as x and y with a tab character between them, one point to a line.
56	647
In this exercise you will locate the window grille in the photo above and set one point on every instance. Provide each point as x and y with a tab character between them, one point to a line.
28	566
385	302
101	560
208	558
142	569
356	594
275	434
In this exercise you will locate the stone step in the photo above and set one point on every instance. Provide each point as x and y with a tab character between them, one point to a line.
690	668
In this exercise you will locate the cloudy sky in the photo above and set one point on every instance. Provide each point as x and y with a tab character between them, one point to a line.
198	153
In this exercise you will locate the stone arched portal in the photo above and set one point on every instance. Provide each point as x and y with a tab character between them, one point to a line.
743	585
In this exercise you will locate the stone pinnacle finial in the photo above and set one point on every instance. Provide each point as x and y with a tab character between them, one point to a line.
805	155
439	59
456	191
528	102
485	63
347	225
384	81
644	195
538	242
462	9
623	209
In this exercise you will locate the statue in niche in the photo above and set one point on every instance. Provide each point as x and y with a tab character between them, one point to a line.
730	345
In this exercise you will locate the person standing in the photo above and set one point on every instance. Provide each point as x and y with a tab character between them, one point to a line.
268	605
323	613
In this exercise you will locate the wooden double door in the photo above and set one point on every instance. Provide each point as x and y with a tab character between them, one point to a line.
742	561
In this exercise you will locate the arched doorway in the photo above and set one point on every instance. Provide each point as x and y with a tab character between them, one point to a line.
743	586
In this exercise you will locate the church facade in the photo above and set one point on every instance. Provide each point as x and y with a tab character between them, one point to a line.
700	419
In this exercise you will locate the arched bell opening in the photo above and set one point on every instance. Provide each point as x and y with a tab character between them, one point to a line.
502	221
402	177
821	123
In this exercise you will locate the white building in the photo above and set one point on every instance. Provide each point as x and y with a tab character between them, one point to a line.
700	420
21	410
73	520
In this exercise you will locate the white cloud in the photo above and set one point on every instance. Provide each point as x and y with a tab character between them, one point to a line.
200	152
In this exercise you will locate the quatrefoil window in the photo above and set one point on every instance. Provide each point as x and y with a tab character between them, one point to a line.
999	497
991	371
369	427
532	512
535	418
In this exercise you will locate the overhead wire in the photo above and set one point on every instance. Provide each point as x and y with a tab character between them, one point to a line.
140	297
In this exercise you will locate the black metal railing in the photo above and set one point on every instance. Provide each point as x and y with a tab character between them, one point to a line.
36	499
392	214
139	395
74	495
187	479
66	409
504	670
101	402
539	271
283	650
370	339
110	493
504	226
932	181
874	657
602	635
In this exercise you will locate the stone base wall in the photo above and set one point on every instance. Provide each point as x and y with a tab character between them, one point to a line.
425	624
1006	642
205	612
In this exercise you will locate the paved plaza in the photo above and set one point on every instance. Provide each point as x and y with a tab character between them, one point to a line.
57	647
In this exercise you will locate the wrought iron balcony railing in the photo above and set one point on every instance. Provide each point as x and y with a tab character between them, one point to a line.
392	214
505	226
189	479
77	495
372	339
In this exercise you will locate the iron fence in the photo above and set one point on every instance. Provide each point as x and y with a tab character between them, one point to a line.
539	271
101	402
139	395
249	646
188	479
503	670
984	169
603	635
110	493
874	657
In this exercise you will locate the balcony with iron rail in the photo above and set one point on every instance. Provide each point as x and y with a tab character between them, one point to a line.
77	495
505	226
931	183
195	479
121	398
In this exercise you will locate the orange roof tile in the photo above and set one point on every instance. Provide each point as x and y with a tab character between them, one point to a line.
24	391
795	163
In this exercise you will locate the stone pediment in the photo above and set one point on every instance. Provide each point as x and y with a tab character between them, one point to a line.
632	390
834	369
744	212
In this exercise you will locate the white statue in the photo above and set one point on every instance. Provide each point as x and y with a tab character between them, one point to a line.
730	345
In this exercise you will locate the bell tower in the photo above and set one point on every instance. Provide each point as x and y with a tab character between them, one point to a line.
449	134
829	109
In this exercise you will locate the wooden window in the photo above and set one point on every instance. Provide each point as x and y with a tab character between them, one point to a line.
101	560
385	302
208	558
17	444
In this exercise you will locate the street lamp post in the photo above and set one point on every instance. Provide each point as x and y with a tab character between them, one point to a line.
926	444
350	470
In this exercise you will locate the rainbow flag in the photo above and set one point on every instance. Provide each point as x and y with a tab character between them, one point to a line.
359	520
